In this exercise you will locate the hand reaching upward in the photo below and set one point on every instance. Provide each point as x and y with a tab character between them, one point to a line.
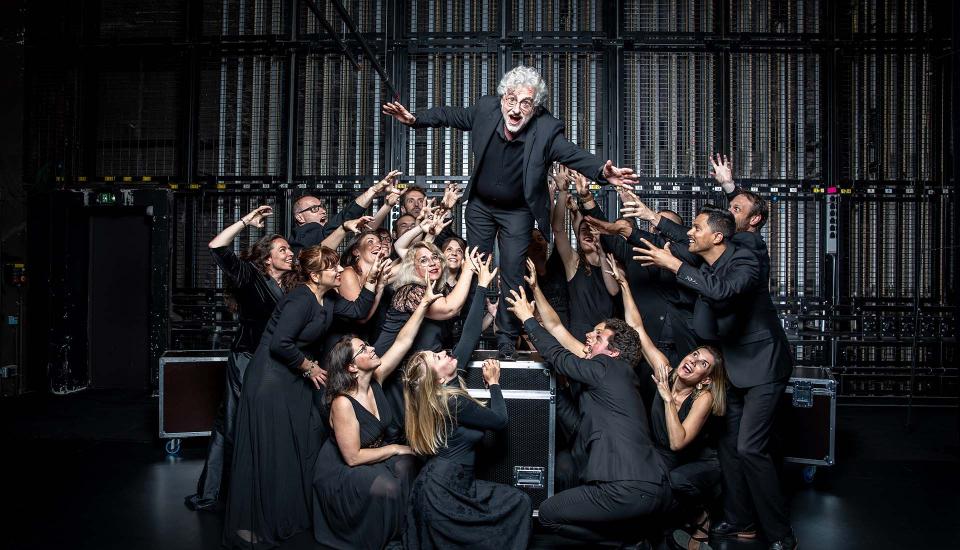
399	112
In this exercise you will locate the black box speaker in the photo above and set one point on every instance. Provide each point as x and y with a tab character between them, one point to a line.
191	389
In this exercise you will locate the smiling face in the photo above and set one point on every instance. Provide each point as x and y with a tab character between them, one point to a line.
586	240
365	356
453	254
702	238
442	364
368	249
281	257
517	108
427	262
329	277
591	338
696	367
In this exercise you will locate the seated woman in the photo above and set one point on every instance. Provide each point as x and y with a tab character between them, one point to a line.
685	399
449	508
362	477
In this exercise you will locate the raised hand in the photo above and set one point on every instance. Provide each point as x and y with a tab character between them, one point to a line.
582	185
619	227
531	276
475	259
722	169
392	198
491	307
519	305
637	209
484	274
613	269
376	270
451	195
429	295
398	112
620	176
257	216
661	377
652	255
491	372
438	225
387	184
357	225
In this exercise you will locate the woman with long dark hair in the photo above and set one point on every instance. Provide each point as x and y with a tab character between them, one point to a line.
253	279
279	431
363	476
448	506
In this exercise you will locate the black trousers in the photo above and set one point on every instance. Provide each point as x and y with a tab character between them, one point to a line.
696	482
214	479
511	227
751	487
605	512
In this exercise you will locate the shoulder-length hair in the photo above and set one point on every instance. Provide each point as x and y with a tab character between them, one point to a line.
408	268
427	405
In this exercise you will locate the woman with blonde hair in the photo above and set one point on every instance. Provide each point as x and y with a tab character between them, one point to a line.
448	506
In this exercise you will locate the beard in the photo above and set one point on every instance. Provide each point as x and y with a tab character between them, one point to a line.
514	126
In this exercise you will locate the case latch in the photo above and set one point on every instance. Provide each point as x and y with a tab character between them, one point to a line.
802	394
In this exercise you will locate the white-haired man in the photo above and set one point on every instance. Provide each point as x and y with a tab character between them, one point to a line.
514	141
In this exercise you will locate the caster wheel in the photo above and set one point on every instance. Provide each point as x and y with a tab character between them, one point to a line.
172	447
809	472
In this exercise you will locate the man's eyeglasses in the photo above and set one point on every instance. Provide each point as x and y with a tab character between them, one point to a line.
312	209
427	260
363	348
526	105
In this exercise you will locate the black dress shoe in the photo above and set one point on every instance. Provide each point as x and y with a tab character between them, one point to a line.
788	542
197	504
726	530
507	352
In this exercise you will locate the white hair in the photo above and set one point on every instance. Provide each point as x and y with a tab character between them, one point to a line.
522	77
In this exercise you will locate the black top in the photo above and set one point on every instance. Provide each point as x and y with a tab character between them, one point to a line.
500	175
311	234
590	302
470	419
403	303
613	439
693	450
376	432
256	294
553	284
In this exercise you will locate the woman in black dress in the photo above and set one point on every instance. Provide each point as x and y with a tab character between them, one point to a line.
448	507
279	431
253	279
591	289
362	476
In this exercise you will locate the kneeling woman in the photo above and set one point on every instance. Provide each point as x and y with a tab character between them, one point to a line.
362	477
448	507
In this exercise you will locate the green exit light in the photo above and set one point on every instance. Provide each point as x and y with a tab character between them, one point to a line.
106	198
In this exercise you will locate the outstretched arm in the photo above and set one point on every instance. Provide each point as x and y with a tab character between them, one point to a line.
632	315
405	338
551	321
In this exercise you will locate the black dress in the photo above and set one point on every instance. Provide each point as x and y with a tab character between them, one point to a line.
590	302
694	470
448	507
362	506
279	431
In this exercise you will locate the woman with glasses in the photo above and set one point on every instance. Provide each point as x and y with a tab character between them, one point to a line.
422	262
362	476
279	431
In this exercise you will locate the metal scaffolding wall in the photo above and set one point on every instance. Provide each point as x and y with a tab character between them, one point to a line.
235	103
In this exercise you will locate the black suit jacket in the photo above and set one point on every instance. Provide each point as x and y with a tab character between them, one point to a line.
544	143
734	309
613	439
311	234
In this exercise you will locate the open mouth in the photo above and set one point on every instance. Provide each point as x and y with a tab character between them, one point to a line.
686	368
515	120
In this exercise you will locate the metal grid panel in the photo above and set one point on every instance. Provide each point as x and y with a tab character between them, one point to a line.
243	17
793	234
536	16
574	93
367	15
882	368
669	113
891	120
341	131
51	111
776	16
450	16
775	115
143	19
137	123
241	117
891	17
457	79
691	16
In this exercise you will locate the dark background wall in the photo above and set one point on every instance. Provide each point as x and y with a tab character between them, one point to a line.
840	112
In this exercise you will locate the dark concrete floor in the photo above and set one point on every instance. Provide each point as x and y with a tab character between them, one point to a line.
87	472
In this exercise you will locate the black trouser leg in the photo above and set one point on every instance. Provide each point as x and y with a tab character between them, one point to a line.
753	446
695	482
601	512
736	495
214	479
511	227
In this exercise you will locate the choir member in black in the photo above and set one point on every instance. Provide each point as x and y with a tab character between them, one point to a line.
623	478
449	507
454	254
680	420
591	290
363	476
550	275
734	307
422	261
310	214
361	256
279	430
253	279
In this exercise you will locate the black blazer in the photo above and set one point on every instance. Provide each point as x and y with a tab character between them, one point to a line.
734	309
544	143
312	234
613	439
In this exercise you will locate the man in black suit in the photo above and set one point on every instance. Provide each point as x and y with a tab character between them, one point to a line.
622	477
514	142
733	307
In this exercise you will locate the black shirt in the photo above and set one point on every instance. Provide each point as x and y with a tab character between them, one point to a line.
470	421
500	174
256	295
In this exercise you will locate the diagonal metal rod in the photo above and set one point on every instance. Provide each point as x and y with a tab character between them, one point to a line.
364	46
329	28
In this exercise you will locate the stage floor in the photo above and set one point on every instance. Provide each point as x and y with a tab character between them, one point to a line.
85	471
